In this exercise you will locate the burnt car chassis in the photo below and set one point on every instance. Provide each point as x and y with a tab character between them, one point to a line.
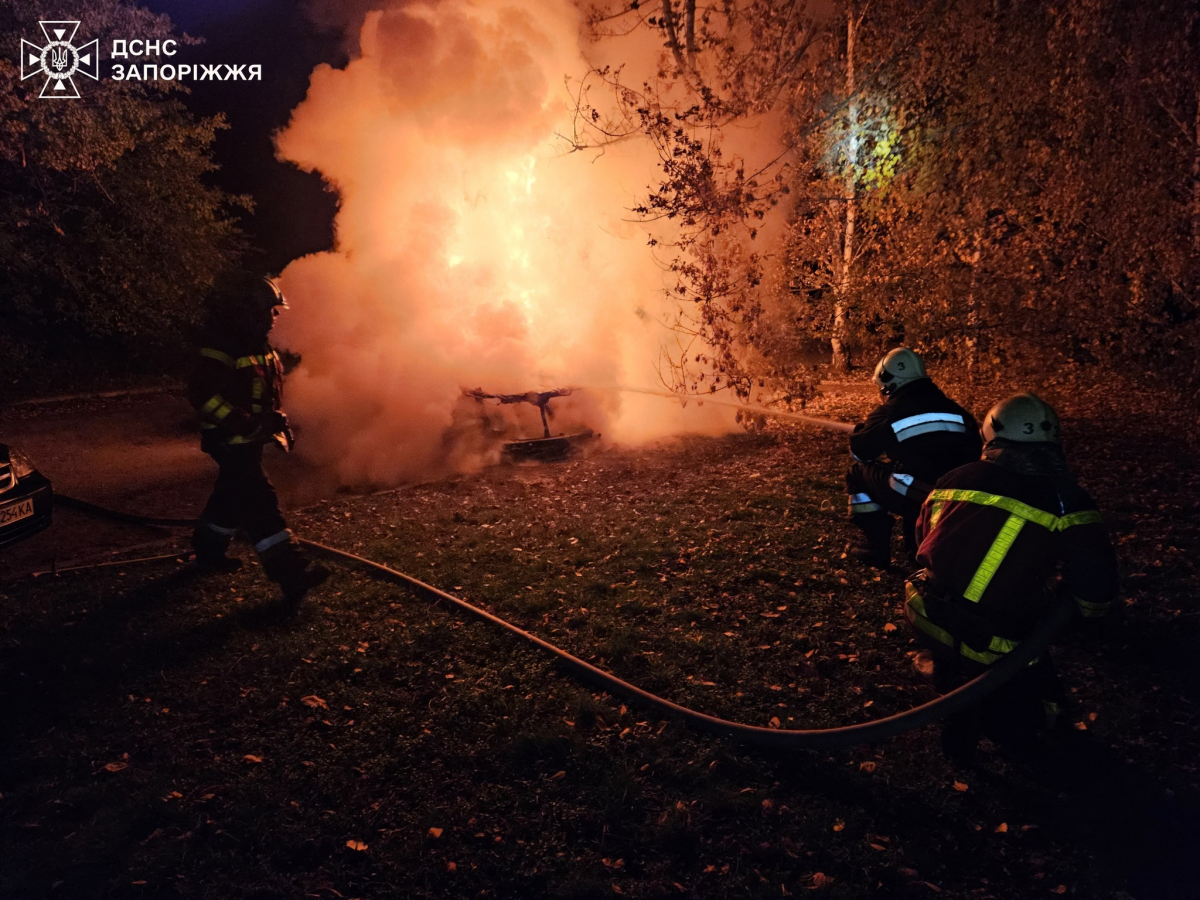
548	446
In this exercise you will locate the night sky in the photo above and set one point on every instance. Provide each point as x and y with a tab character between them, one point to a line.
293	214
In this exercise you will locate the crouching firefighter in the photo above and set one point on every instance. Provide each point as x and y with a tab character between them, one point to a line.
911	440
237	389
995	535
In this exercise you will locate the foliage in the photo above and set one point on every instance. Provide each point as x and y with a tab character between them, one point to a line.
734	63
110	232
1025	179
1042	212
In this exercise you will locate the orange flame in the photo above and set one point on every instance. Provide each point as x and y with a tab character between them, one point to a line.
472	250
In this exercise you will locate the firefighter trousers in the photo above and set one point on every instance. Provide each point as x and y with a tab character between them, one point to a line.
243	499
1015	717
876	489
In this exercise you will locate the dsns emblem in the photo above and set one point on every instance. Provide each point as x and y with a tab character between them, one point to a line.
60	60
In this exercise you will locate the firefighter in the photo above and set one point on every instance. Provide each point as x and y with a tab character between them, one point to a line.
237	389
911	440
993	535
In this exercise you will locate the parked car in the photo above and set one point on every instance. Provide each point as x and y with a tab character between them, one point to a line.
26	498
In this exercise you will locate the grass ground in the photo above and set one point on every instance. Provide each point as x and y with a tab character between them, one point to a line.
167	736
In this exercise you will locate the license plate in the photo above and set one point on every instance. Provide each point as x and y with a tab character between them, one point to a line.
15	512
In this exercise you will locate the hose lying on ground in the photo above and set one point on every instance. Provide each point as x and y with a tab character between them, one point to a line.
771	738
126	518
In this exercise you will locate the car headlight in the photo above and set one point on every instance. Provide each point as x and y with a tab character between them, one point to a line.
22	465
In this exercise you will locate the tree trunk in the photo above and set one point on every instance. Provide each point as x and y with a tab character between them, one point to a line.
973	303
1196	185
671	27
840	361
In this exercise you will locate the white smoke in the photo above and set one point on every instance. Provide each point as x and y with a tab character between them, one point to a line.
472	249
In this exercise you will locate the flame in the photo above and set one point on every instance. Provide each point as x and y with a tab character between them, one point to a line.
472	249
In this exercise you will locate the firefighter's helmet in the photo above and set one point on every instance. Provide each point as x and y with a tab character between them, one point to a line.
267	295
1024	418
900	367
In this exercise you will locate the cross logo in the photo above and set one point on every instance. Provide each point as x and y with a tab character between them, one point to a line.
60	60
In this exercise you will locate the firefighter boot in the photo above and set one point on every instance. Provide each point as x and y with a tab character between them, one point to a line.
295	575
210	543
874	547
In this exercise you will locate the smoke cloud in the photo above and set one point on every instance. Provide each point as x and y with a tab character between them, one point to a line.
472	250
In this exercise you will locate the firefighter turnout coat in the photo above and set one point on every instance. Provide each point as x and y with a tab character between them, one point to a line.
921	430
235	391
992	540
923	433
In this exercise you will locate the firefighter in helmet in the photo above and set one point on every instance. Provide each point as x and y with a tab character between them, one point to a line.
994	534
910	441
237	388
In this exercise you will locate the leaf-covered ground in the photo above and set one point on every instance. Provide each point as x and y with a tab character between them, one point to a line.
167	736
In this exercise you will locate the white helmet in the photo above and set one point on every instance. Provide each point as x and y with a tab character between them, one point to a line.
900	367
1025	418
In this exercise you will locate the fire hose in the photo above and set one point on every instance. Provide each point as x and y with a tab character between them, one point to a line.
769	738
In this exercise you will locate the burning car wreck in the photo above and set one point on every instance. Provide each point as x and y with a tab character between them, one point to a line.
546	447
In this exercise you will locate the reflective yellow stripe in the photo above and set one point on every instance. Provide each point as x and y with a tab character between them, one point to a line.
222	411
915	612
1087	517
213	402
1024	510
1016	507
218	356
1002	645
1091	610
256	389
936	514
995	555
247	361
944	637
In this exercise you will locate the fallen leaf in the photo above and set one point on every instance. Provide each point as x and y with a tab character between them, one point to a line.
435	832
1061	889
960	786
315	702
356	845
1002	828
910	873
889	627
250	757
820	880
451	867
866	766
116	767
839	825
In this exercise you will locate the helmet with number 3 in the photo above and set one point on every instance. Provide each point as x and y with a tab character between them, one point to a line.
900	367
1024	418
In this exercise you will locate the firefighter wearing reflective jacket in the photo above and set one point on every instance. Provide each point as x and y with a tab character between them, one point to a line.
910	441
993	535
237	388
